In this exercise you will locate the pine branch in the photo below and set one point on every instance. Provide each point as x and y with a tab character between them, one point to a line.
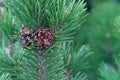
53	14
54	62
72	56
7	28
109	72
63	17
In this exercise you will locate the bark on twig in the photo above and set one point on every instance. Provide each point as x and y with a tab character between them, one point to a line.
10	47
41	66
68	71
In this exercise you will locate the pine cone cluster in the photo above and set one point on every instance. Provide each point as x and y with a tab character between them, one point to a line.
42	37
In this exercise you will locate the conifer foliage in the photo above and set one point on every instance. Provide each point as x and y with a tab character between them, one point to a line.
107	71
40	35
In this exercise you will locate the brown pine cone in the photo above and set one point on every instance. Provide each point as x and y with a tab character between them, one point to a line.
43	37
26	35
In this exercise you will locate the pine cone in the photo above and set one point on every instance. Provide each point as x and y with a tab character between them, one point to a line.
26	35
43	37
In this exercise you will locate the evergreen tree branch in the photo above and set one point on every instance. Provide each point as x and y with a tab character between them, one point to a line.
80	57
64	16
54	62
109	72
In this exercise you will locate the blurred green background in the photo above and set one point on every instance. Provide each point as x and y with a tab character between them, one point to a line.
98	32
